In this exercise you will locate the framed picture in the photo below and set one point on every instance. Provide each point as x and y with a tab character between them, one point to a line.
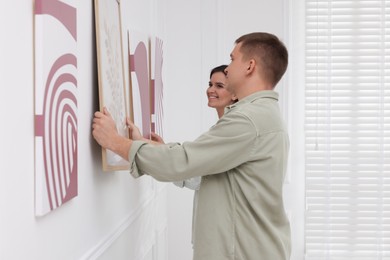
111	77
139	65
55	106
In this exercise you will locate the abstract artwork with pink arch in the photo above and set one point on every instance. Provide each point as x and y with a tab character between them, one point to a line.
56	119
140	98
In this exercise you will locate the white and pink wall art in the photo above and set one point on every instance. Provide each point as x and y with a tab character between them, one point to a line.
56	104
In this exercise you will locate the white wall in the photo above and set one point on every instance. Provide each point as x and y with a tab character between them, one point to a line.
115	216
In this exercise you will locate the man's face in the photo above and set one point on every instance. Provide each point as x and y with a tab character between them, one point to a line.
236	70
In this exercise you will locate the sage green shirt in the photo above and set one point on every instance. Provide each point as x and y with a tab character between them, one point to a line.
242	159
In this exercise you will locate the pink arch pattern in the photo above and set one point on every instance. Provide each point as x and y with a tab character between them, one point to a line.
139	65
56	126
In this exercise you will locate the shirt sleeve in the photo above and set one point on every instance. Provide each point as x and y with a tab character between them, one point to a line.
226	145
135	146
192	184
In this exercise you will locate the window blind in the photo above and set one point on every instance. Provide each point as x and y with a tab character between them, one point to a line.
347	129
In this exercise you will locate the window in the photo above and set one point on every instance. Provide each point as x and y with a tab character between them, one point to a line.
347	129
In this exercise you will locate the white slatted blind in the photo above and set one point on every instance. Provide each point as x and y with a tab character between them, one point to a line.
347	122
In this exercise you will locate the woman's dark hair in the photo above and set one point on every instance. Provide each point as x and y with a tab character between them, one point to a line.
218	69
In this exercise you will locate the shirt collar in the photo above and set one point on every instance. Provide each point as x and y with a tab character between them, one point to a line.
253	97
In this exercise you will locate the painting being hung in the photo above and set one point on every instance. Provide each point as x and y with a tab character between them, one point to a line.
112	92
56	126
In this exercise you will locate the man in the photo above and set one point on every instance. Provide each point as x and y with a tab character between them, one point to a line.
242	160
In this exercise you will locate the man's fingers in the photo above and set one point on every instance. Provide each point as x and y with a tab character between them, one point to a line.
105	111
155	137
129	123
98	114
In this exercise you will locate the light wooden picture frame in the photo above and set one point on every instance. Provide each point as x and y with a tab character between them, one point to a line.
111	76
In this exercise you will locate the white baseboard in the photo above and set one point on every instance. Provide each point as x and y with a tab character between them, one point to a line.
96	251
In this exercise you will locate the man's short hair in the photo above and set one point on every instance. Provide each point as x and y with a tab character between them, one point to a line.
267	50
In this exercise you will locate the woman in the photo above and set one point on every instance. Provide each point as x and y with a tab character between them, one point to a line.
219	98
217	93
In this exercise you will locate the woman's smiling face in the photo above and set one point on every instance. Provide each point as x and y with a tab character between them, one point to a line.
217	94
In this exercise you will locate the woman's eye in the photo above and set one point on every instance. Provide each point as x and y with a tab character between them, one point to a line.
210	84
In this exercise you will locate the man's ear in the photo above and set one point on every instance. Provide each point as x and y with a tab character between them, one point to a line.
250	66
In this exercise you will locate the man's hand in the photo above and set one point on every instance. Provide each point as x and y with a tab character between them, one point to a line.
105	133
104	129
134	132
156	138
